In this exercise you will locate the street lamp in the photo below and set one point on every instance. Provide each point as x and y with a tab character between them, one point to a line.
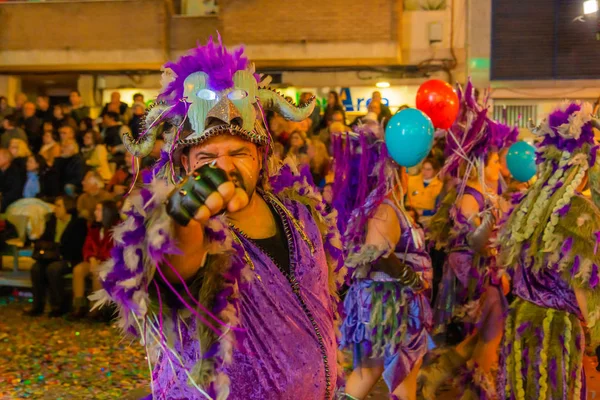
590	7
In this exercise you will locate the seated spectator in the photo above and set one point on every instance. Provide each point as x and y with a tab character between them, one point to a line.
67	132
334	105
11	180
122	179
19	151
319	161
136	123
61	119
20	99
11	130
5	109
79	111
93	193
50	147
32	126
70	168
86	124
115	105
96	249
95	154
296	142
41	181
424	188
58	250
112	132
44	112
337	117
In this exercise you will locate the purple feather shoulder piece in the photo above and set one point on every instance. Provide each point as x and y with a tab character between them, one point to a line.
133	278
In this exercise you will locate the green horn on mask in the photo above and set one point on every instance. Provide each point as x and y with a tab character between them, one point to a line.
143	146
273	101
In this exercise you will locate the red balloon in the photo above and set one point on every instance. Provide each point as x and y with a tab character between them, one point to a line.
439	101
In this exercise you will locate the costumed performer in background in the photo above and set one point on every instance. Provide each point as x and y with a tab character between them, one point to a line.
551	246
471	295
228	282
387	311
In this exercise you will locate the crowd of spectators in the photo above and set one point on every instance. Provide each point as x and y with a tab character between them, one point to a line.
57	154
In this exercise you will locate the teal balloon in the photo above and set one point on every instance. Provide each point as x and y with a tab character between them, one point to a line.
520	160
409	137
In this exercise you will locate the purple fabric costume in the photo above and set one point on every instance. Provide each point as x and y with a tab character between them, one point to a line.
279	356
369	301
464	280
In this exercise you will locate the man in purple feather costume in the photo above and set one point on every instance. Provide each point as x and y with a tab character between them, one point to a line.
222	267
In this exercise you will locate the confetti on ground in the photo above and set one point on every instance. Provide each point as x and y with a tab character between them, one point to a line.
52	358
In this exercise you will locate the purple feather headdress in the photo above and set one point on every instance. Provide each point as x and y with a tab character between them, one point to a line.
473	133
214	59
568	128
362	170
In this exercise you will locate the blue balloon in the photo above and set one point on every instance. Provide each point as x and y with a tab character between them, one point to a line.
409	137
520	160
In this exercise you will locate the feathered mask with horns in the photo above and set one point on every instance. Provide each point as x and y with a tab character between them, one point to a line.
213	91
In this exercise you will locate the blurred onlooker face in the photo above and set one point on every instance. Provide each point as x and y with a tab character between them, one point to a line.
57	112
115	97
59	209
28	109
47	127
66	133
138	109
75	99
331	99
376	97
48	137
42	103
98	213
3	103
138	98
14	147
20	99
427	171
328	194
88	139
32	164
89	183
6	124
296	140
